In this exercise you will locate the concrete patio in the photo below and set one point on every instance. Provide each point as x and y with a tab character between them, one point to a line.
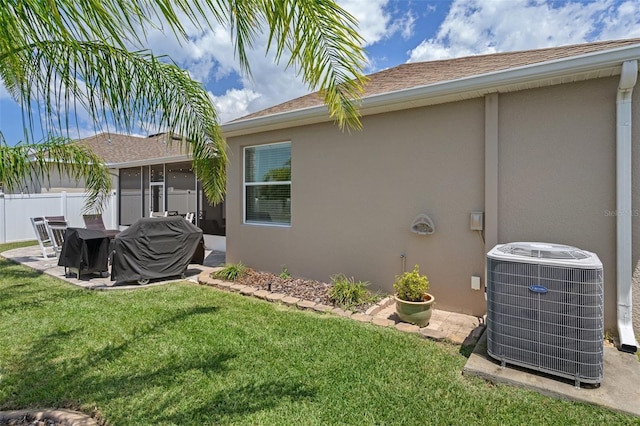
619	390
32	257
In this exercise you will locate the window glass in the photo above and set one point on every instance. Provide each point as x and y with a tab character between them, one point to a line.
268	183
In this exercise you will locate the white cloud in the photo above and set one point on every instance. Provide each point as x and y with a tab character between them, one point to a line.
381	19
271	84
209	56
622	22
234	103
488	26
373	20
407	26
203	52
471	27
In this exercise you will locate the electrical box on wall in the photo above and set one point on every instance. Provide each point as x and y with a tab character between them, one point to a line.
475	282
477	220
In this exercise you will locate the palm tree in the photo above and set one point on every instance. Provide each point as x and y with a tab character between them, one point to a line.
35	161
66	55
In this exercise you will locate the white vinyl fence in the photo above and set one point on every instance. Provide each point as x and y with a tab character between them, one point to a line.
17	209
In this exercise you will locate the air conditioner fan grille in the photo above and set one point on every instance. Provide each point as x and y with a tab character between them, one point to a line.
547	252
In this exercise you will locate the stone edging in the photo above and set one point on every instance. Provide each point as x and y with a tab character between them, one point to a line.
67	417
368	316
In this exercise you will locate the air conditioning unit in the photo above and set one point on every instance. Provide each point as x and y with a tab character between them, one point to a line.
545	309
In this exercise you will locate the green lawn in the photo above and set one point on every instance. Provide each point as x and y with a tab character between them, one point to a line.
186	354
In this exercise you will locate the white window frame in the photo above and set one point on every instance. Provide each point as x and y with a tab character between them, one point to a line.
246	184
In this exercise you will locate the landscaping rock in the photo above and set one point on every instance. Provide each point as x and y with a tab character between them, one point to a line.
384	322
407	328
387	301
247	290
224	285
305	304
341	312
45	417
275	297
373	310
361	317
236	287
322	308
433	334
290	301
261	294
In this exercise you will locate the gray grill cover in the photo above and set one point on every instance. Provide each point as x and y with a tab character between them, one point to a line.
87	250
154	248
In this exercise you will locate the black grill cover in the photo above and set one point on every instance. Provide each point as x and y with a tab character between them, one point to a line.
154	248
85	249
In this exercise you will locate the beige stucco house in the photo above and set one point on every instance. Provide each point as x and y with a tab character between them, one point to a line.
528	138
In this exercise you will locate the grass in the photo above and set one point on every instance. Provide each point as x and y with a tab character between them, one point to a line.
348	293
232	272
185	354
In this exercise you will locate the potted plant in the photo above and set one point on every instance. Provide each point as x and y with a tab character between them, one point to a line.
413	303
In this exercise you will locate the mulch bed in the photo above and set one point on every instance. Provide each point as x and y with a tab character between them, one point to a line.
315	291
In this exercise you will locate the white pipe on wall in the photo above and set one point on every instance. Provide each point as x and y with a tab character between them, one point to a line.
628	78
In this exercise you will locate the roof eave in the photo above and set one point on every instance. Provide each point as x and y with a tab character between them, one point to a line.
576	68
150	161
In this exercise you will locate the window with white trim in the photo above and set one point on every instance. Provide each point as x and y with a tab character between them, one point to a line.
267	184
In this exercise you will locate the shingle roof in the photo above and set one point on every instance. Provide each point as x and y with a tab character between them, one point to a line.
117	148
418	74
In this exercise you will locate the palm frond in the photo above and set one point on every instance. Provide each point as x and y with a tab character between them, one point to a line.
67	55
325	46
30	163
118	86
321	37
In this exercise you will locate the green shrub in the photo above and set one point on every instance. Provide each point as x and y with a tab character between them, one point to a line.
285	275
411	286
232	272
348	293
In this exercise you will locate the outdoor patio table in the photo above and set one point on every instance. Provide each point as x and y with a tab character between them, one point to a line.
85	251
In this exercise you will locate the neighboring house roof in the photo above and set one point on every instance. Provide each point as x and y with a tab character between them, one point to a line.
415	83
123	150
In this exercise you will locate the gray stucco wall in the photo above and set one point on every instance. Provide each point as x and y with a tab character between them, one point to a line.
355	195
557	159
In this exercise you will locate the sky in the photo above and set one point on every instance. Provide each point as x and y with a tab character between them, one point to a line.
395	32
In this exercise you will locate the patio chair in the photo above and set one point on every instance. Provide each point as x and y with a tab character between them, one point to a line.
157	214
190	216
56	229
95	222
43	236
